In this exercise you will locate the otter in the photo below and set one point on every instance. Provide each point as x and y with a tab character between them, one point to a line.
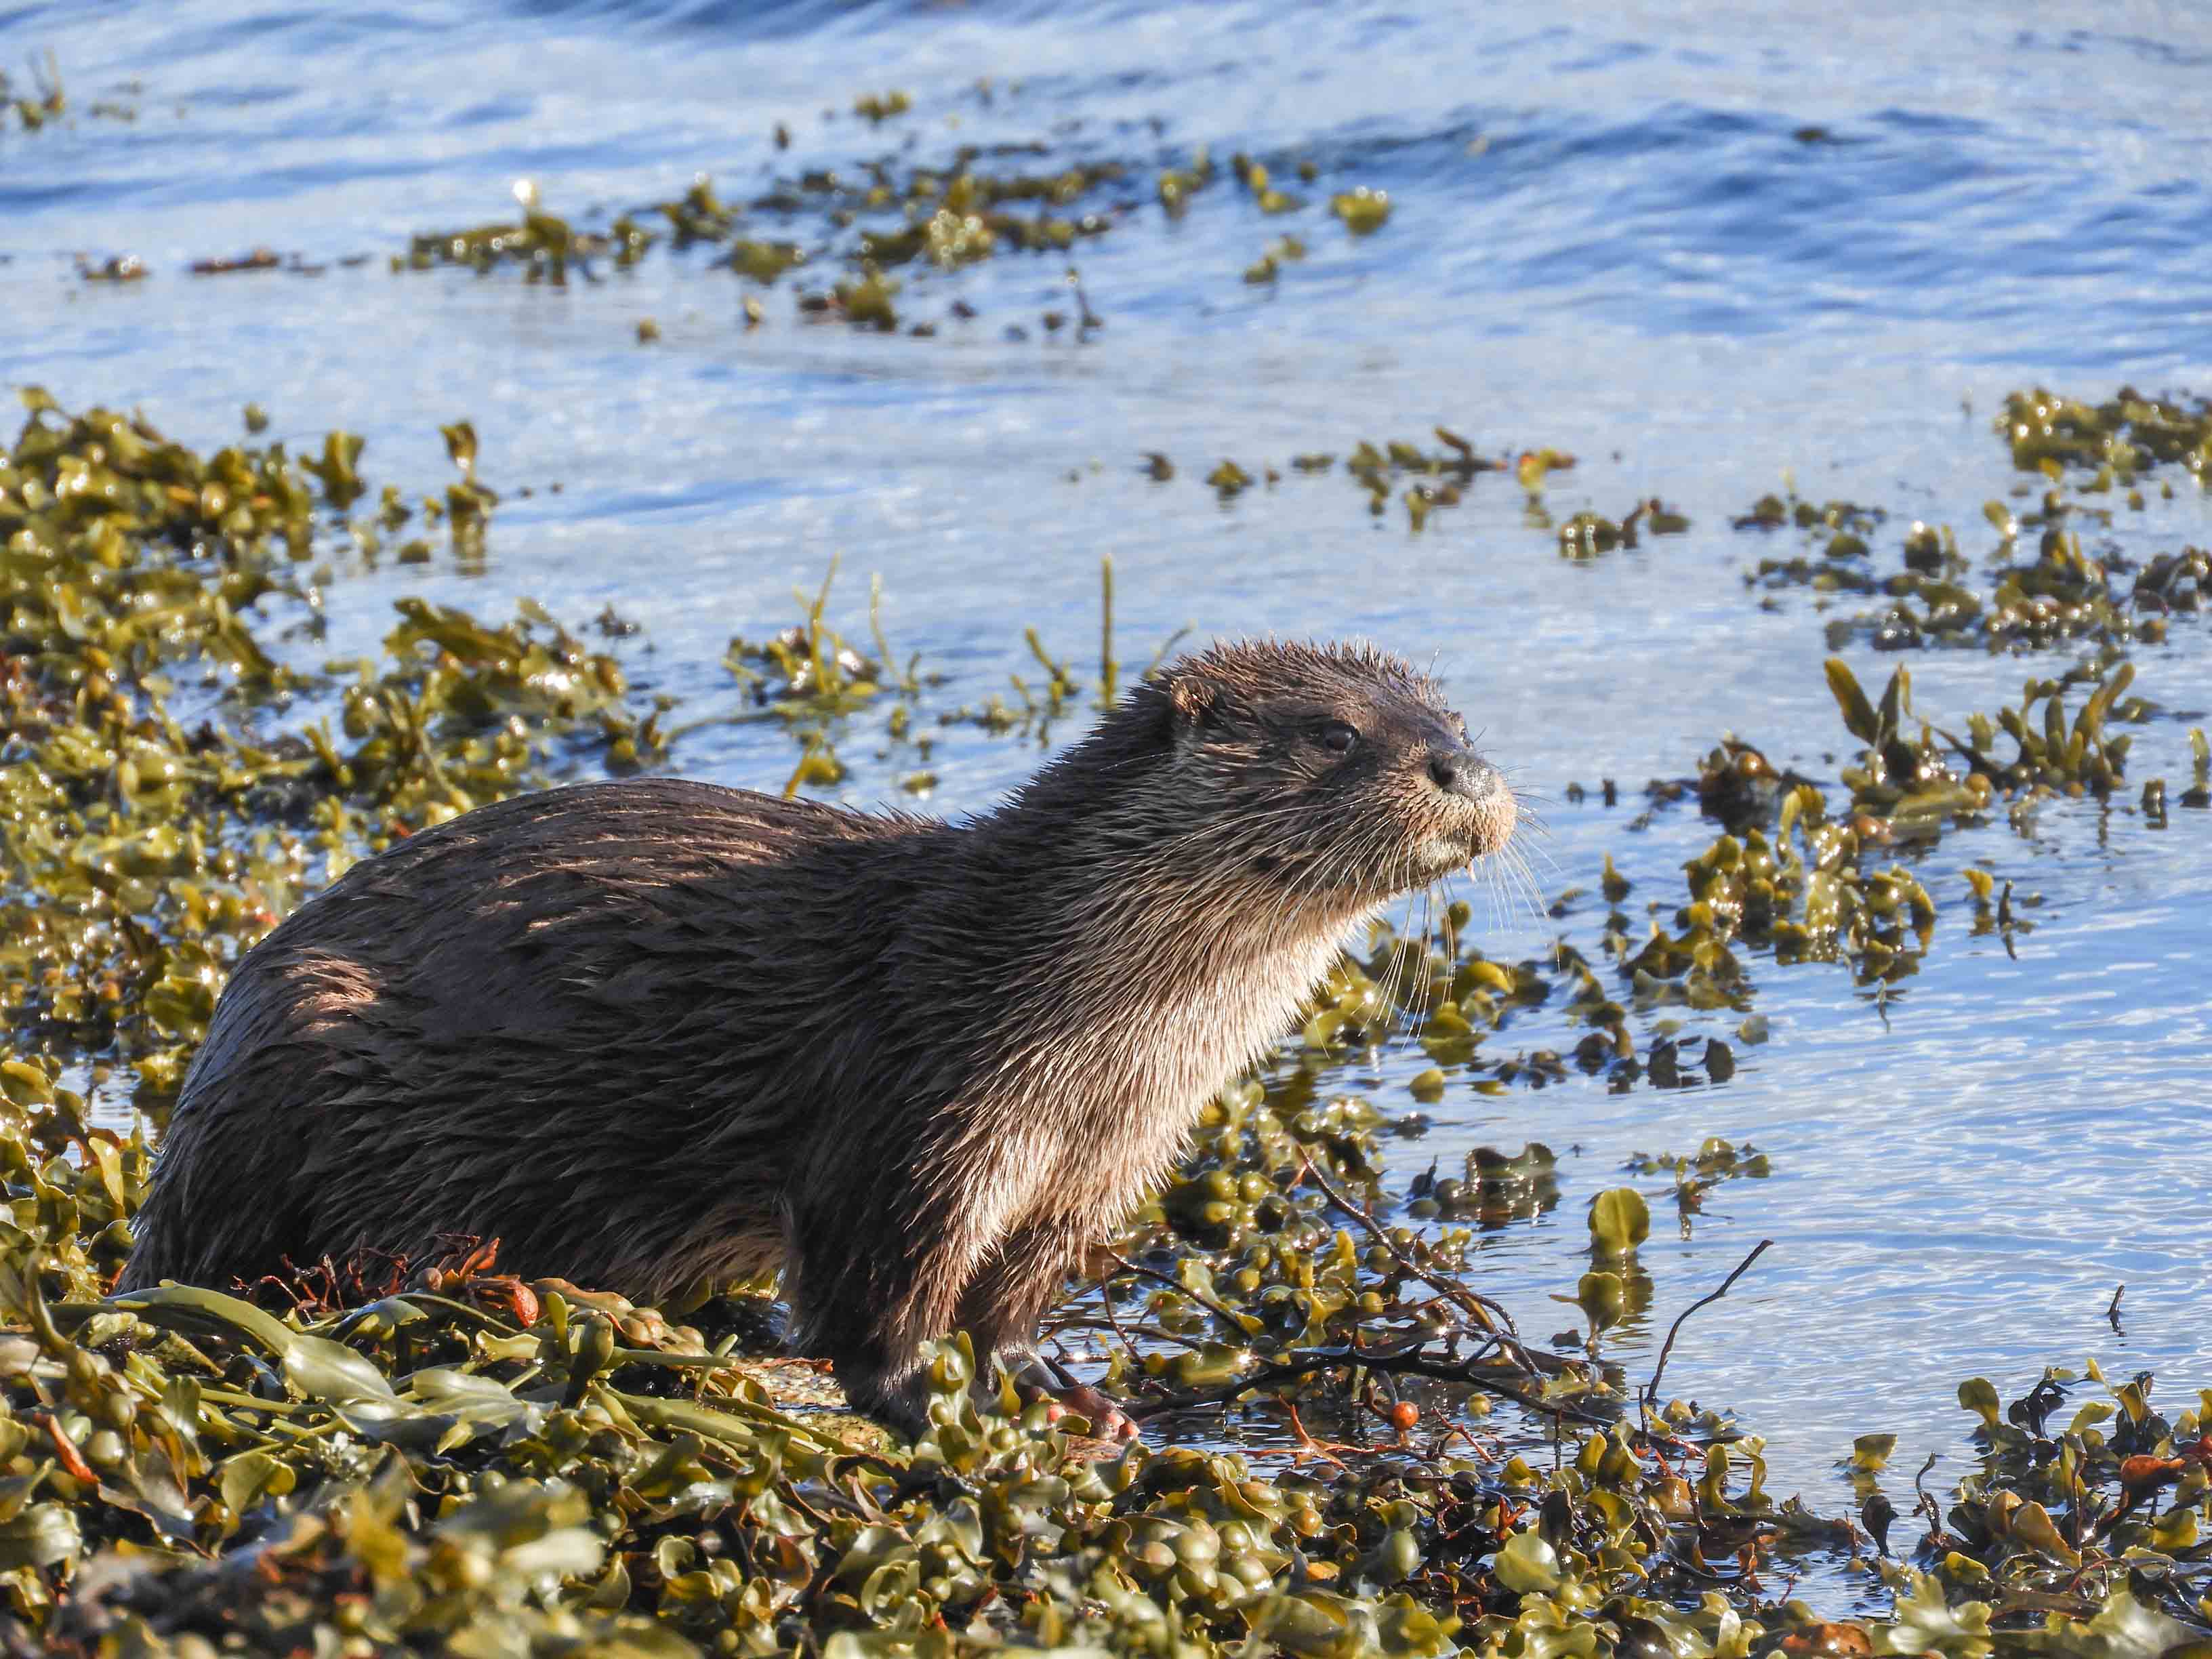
657	1036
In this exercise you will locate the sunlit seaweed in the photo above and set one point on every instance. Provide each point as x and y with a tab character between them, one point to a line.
468	1462
437	1455
2059	594
159	813
44	100
875	215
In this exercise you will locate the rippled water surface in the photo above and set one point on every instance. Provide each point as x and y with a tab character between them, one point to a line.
1704	248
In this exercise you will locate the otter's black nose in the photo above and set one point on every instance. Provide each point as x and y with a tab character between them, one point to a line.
1462	773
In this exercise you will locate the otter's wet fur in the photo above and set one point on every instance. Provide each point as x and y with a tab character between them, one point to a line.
655	1036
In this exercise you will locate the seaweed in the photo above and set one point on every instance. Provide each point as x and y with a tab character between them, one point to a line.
376	1456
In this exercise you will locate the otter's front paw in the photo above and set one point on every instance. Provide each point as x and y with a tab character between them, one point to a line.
1108	1420
1036	1377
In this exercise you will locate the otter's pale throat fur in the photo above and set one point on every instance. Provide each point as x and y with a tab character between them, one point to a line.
655	1036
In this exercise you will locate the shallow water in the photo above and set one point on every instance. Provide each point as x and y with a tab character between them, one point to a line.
1699	247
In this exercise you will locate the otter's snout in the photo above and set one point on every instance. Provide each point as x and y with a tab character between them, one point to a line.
1475	797
1463	773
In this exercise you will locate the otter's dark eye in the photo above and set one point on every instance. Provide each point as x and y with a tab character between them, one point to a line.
1337	738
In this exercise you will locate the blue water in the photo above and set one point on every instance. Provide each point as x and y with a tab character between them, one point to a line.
1704	248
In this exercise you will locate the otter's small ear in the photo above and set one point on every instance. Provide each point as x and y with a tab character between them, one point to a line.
1191	700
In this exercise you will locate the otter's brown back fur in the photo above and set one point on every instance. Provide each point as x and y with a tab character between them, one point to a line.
657	1035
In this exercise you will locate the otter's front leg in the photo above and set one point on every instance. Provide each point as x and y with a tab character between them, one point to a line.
871	1327
867	1294
938	1257
1001	1306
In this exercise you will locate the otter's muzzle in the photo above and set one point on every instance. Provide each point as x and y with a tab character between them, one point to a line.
1476	793
1463	773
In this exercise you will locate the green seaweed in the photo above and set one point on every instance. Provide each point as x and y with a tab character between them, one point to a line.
151	850
377	1456
460	1459
44	101
2063	594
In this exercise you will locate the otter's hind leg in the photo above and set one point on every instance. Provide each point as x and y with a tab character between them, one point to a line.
228	1204
216	1215
230	1199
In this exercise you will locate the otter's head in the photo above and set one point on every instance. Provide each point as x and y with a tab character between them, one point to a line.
1333	771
